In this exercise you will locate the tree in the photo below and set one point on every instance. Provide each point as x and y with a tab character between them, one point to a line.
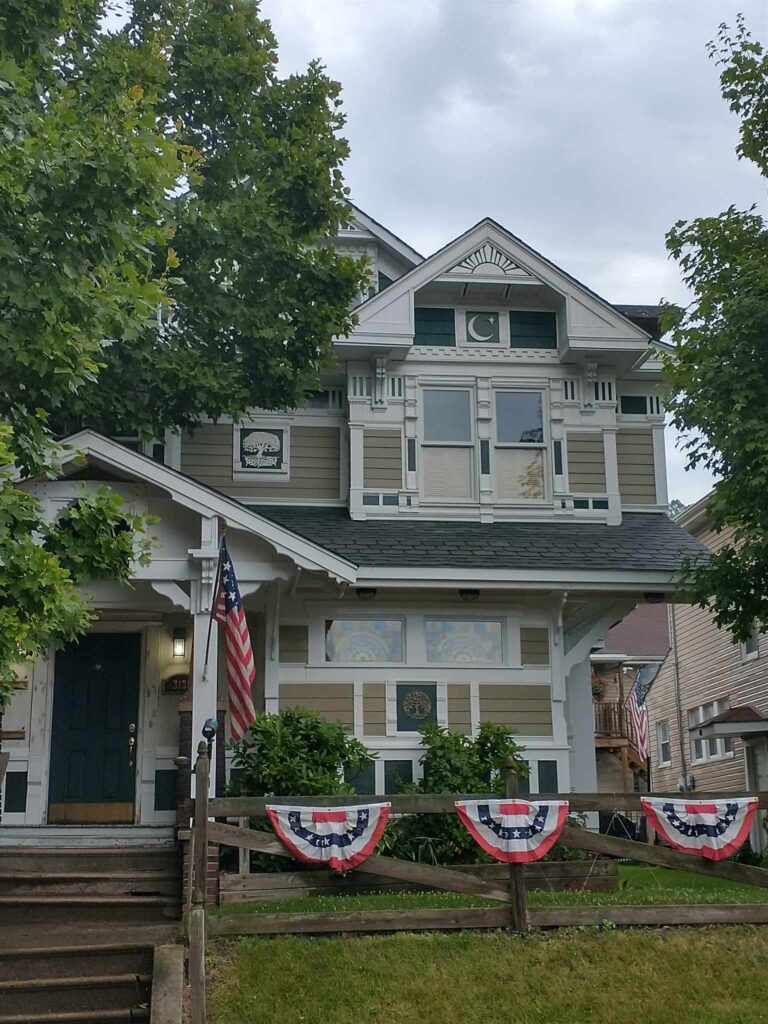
718	376
165	205
676	506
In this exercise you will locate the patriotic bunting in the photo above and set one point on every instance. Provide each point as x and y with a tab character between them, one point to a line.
341	837
514	831
714	830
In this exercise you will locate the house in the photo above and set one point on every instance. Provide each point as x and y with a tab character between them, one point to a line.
474	495
708	706
638	644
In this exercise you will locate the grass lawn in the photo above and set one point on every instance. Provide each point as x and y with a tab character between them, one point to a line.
638	885
707	976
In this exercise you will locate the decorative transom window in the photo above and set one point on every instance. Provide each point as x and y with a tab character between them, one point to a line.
470	641
519	454
364	640
711	748
261	449
640	405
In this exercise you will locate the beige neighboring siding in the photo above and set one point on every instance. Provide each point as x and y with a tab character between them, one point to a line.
710	668
586	462
459	708
527	709
314	458
383	459
294	644
334	701
374	709
534	645
637	480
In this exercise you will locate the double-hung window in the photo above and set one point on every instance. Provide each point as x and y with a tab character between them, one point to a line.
709	748
663	745
520	446
448	446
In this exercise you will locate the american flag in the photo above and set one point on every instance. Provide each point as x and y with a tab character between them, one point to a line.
241	670
638	713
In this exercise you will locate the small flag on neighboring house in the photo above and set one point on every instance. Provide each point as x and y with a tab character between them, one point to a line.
638	713
241	670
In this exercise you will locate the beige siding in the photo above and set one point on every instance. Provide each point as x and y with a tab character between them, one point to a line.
334	701
382	459
314	457
637	481
459	708
586	462
374	709
710	668
294	644
534	645
527	709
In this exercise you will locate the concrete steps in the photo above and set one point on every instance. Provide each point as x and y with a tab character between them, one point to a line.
78	929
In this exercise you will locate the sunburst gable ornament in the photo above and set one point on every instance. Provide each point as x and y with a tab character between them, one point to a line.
487	259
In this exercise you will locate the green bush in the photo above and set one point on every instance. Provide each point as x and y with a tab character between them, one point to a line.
295	752
455	764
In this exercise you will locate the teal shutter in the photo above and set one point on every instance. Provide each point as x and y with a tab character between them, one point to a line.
434	327
532	329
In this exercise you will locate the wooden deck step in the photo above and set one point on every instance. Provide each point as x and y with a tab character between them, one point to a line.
73	883
71	961
80	909
79	1017
103	860
75	994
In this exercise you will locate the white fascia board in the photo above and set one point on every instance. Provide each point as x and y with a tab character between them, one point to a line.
386	237
524	579
628	659
205	501
731	729
532	262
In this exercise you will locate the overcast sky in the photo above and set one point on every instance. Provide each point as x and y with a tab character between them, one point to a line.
587	128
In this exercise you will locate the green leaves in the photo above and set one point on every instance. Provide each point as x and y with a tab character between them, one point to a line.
718	376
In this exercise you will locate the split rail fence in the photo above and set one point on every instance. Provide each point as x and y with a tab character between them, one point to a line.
509	892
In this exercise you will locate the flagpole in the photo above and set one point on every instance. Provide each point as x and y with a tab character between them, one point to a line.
214	599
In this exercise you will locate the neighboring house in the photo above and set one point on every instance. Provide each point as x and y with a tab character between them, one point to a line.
708	706
638	644
475	495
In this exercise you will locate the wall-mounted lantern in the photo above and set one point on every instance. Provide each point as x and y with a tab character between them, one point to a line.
179	642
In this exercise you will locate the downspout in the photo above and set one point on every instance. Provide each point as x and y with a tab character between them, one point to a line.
678	697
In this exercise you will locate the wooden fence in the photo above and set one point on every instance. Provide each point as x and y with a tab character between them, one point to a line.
508	891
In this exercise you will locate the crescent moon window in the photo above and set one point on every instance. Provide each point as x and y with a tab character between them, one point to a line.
483	328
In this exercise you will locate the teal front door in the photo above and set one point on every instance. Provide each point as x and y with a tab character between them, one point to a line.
95	721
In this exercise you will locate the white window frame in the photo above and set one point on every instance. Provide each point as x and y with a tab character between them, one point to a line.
361	617
661	743
468	618
751	655
264	423
524	388
696	718
450	384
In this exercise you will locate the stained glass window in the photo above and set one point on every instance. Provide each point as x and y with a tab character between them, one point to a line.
354	640
473	640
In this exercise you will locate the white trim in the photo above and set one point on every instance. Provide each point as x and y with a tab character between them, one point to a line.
383	235
528	579
209	502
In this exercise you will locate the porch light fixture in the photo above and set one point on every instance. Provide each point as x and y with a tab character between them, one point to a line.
179	642
366	593
469	595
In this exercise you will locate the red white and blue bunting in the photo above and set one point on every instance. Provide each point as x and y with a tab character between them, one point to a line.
715	829
514	831
341	837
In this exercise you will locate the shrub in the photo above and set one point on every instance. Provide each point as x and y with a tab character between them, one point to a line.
454	764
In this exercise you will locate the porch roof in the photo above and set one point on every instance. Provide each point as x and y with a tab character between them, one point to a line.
740	720
644	542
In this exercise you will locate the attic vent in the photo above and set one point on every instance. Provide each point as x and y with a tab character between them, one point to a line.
603	390
361	387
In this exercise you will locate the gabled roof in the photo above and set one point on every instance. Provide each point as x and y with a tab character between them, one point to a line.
386	237
206	501
589	314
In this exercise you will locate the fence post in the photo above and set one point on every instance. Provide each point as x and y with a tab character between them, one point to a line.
518	911
199	866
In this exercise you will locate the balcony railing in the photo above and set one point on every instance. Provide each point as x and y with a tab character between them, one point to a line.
612	719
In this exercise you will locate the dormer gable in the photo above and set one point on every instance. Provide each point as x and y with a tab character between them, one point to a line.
490	268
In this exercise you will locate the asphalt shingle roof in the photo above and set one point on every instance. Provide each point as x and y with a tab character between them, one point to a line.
644	541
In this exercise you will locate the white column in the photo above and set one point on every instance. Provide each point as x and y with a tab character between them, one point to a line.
612	476
660	464
205	680
356	510
581	728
